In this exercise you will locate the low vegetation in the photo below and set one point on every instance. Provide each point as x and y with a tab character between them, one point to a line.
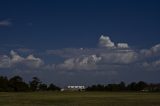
50	98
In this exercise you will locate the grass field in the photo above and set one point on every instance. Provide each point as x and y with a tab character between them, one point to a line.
79	99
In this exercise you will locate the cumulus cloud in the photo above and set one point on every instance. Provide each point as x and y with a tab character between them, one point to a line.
5	61
87	61
108	53
122	45
34	62
119	57
155	50
151	58
109	56
152	66
80	63
4	23
105	41
15	60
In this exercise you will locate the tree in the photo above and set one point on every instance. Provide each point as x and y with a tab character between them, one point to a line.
17	84
113	87
43	87
132	86
122	86
34	84
141	85
52	87
98	87
3	84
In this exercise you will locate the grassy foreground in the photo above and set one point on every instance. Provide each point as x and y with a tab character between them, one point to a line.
79	99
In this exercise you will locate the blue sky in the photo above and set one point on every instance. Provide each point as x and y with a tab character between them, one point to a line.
55	35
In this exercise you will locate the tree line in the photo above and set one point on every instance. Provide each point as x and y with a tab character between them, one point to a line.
134	86
17	84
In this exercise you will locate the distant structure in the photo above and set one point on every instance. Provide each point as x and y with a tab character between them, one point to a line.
74	88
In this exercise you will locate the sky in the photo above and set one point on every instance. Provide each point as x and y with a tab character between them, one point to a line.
80	42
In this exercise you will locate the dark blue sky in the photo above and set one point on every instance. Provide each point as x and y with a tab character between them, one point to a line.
59	24
43	25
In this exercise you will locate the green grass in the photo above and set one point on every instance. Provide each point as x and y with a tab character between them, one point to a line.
79	99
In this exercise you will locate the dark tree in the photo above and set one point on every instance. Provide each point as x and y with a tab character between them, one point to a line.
141	85
122	86
132	86
43	87
34	84
98	87
52	87
17	84
113	87
3	84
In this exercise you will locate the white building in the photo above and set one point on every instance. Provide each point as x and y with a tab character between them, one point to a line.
76	88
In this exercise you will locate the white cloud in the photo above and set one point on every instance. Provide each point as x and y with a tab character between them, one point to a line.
83	58
4	61
34	62
151	57
152	66
80	63
5	23
119	57
155	50
88	58
122	45
105	41
15	60
121	54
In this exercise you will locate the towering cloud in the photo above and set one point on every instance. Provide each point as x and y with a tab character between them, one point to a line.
105	41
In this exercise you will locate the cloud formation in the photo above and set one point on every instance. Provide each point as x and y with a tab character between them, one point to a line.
155	50
80	63
15	60
109	56
109	53
122	45
105	41
119	57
